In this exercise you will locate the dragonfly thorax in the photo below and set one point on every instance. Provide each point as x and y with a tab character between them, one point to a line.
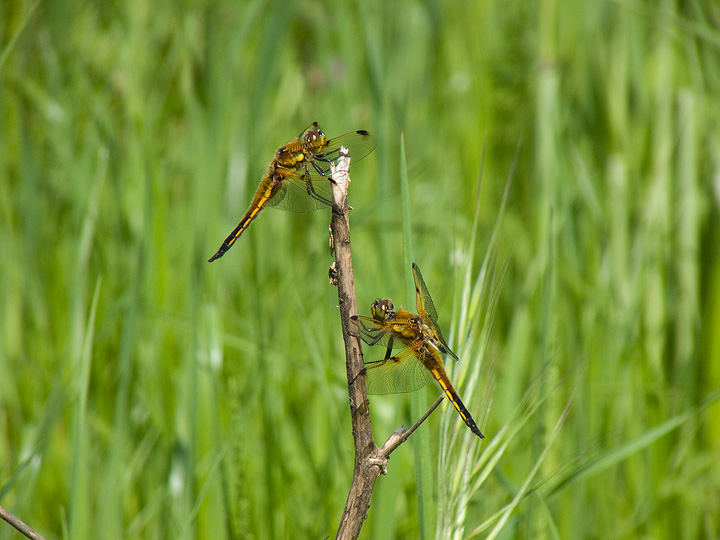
428	335
286	161
423	329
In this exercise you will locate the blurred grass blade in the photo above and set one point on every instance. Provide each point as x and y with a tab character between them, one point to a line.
13	41
620	453
80	493
504	515
421	438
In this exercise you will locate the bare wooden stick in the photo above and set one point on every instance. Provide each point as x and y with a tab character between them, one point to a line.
364	474
370	461
19	525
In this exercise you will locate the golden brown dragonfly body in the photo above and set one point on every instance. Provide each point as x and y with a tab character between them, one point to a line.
420	362
298	177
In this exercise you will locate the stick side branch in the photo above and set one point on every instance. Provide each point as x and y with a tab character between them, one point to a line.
20	525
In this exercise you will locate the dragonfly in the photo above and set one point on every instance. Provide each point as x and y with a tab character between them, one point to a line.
420	361
298	177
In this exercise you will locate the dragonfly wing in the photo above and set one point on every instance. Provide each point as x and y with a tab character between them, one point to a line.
319	152
426	309
402	373
445	347
359	143
296	194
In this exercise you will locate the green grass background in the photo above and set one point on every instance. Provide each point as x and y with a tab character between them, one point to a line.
145	393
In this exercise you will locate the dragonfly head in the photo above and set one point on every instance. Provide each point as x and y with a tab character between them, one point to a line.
313	137
382	309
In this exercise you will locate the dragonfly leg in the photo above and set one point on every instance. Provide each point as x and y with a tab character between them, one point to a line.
368	365
367	334
371	364
388	352
328	157
373	340
361	372
322	171
314	194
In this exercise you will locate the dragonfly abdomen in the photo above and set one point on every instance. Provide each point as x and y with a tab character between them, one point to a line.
265	192
452	395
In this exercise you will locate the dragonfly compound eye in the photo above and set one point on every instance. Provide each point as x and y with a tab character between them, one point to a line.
381	309
315	136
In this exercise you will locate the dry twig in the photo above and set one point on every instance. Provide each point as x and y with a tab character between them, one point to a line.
19	525
370	460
